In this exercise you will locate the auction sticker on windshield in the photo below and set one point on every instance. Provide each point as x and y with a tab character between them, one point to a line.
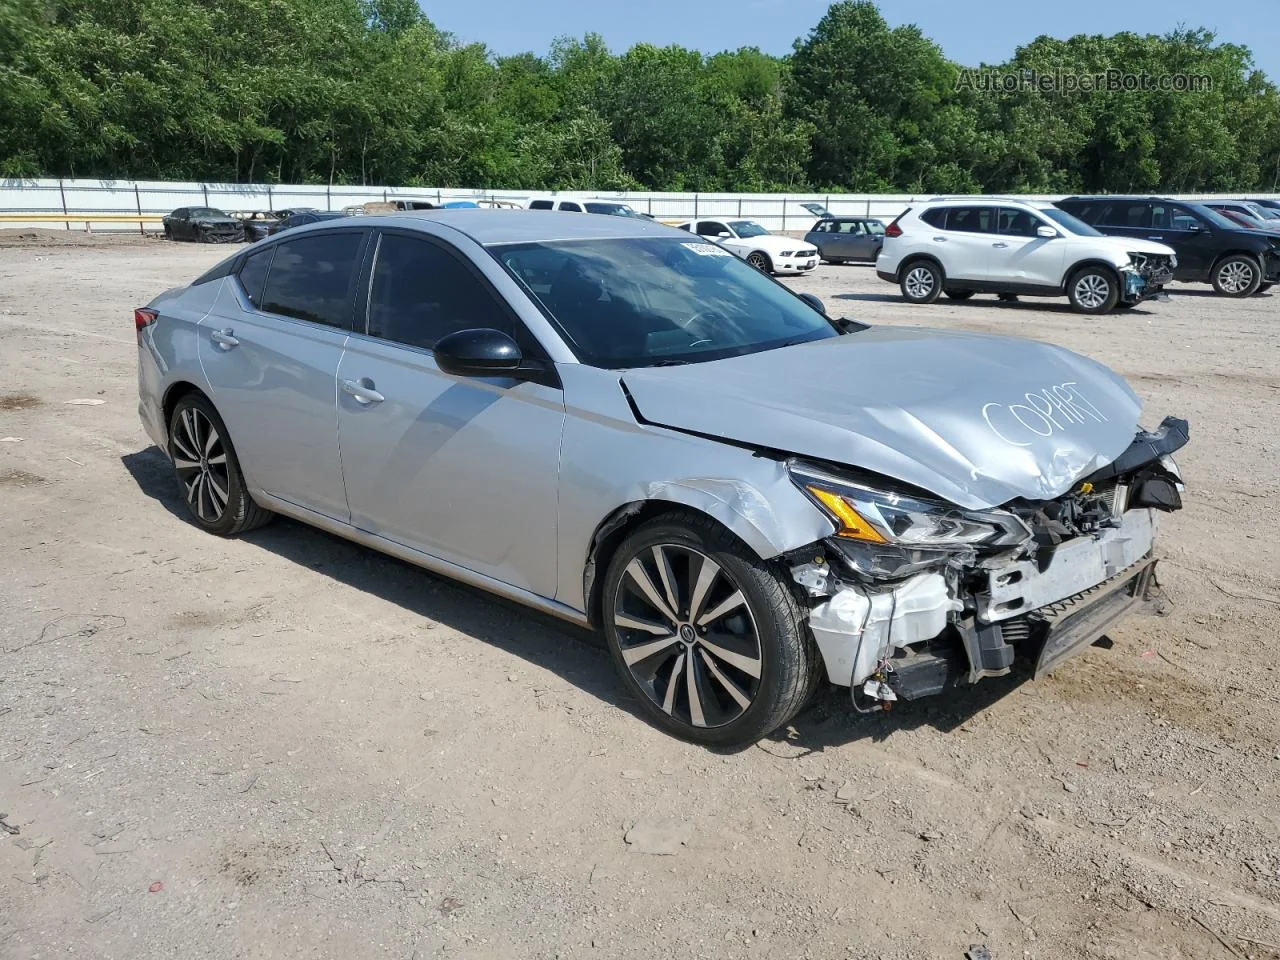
706	249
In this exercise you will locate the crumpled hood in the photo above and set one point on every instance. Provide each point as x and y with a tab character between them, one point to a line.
1124	245
976	420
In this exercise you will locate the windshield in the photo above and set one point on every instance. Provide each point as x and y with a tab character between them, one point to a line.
650	301
1071	224
748	228
612	209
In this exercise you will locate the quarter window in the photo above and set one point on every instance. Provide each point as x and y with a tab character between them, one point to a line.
311	278
541	205
253	274
421	292
937	217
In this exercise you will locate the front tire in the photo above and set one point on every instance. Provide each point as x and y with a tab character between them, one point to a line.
208	472
710	640
959	294
1094	290
1237	276
921	282
760	261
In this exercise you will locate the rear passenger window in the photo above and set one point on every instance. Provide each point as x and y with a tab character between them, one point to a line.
571	207
311	278
971	219
253	274
1121	214
540	205
422	292
937	217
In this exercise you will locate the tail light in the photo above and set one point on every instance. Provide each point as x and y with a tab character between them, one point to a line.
893	230
143	317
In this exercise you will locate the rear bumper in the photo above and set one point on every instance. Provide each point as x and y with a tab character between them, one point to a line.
887	276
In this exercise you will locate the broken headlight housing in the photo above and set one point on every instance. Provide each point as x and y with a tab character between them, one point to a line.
878	516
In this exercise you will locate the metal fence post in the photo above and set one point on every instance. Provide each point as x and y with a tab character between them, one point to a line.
695	206
784	214
63	192
137	200
204	187
739	208
328	202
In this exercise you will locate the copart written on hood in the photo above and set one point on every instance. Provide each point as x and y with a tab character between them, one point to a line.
976	420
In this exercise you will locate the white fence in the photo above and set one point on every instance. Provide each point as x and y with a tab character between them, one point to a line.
83	198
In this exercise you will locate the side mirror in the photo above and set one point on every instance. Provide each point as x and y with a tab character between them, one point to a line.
1046	233
813	301
477	353
724	235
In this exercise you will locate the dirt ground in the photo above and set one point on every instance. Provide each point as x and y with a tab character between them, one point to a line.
288	746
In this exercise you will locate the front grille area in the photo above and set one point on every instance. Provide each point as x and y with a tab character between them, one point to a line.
806	253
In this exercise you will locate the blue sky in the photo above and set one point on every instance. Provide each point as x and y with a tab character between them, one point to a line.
969	31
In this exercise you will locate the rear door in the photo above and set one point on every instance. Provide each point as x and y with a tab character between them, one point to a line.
270	350
461	468
1020	255
964	246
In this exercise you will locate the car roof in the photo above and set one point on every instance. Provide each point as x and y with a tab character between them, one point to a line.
526	226
979	200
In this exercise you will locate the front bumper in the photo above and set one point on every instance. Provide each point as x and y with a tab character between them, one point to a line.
799	264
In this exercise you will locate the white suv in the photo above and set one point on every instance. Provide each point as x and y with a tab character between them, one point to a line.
966	245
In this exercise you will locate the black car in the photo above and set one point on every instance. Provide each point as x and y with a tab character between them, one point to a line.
203	225
840	239
1211	249
1270	204
301	219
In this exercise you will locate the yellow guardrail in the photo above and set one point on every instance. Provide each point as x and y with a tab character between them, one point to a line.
88	219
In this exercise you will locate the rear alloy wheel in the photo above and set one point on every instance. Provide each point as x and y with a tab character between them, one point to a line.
760	261
921	282
959	294
1237	276
208	472
1093	290
709	639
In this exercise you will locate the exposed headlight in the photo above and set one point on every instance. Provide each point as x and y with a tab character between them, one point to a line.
786	253
882	517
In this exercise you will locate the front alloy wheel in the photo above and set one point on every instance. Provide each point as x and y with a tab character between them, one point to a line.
760	262
1093	290
709	639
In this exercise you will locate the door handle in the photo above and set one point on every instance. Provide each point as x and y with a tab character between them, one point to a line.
939	239
362	390
223	338
999	246
1155	238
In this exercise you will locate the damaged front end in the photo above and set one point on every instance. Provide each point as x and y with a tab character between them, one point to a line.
912	596
1146	275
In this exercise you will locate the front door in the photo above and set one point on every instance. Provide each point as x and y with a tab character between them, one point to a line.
461	468
1020	255
270	349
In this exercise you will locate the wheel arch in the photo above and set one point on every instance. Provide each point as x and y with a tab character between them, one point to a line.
1251	254
619	524
764	253
174	393
912	258
1079	265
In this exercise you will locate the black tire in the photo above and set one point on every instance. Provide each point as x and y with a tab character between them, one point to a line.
1238	275
1007	297
168	232
760	261
921	281
1264	287
206	468
1094	290
773	667
959	294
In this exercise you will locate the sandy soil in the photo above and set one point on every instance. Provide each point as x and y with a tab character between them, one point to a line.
287	746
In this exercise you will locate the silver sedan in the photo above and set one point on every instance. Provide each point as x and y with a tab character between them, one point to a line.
626	426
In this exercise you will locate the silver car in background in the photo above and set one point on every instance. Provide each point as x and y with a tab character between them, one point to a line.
626	426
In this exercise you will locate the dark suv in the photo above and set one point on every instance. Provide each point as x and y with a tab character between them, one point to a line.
1211	249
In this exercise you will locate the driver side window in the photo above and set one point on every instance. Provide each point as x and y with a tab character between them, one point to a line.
710	228
420	292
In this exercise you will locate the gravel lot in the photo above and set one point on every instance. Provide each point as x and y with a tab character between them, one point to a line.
288	746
